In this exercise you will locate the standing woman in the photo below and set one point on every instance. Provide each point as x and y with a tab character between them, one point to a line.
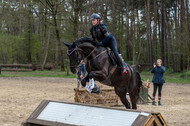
158	80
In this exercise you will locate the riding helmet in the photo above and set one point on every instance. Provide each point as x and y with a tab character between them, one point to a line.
95	16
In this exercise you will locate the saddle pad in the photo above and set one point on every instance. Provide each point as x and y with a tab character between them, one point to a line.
126	66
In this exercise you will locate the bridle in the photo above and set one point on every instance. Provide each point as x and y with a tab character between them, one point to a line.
71	51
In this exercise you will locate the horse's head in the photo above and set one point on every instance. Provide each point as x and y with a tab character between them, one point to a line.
75	56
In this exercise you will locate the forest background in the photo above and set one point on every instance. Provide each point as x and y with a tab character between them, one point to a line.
33	31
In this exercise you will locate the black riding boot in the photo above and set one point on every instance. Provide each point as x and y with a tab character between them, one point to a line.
120	63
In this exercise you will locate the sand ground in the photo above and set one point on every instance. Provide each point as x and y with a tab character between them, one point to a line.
20	96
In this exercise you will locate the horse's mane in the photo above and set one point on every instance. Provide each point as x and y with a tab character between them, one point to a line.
83	40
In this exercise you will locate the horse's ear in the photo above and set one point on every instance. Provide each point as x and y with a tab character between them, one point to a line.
68	45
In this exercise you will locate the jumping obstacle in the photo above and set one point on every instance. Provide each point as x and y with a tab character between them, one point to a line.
143	94
54	113
106	98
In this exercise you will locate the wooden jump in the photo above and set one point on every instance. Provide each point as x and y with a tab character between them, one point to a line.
55	113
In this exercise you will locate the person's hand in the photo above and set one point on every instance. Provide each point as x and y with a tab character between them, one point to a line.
81	76
100	43
154	65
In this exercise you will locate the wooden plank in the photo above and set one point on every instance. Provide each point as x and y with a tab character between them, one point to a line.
17	65
139	120
150	122
104	89
150	97
142	99
21	70
157	121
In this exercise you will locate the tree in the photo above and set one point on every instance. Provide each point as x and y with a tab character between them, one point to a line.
54	6
149	40
182	14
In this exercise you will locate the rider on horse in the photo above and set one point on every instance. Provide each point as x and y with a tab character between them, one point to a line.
101	34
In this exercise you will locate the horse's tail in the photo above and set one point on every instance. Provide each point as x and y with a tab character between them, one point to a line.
139	81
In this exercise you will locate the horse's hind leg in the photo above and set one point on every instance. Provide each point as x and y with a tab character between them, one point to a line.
121	92
133	100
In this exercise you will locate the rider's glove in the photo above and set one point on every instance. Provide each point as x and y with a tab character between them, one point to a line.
100	44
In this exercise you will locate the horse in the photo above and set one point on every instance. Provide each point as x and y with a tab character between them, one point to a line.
100	67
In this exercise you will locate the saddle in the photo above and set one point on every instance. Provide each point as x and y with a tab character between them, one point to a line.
112	56
114	59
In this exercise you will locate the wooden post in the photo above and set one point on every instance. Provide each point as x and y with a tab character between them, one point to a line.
0	69
143	96
67	69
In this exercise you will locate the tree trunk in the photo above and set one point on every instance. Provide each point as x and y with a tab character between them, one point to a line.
46	50
20	15
76	16
127	43
150	58
59	42
188	29
113	16
133	33
165	37
162	33
119	27
170	44
181	33
155	28
29	34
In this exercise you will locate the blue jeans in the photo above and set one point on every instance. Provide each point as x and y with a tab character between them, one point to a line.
112	44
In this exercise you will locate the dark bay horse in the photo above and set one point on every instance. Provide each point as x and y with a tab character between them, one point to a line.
100	67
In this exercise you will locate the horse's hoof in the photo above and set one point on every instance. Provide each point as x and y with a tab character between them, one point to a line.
96	90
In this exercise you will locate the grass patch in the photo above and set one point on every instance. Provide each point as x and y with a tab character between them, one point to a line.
145	75
169	77
56	73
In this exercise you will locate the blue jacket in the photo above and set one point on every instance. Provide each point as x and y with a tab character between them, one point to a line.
101	33
158	74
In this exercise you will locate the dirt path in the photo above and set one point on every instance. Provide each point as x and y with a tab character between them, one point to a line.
20	96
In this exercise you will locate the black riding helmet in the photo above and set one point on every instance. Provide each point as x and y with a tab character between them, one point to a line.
95	16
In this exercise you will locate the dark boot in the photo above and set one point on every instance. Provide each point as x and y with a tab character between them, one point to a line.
120	64
96	89
159	103
153	103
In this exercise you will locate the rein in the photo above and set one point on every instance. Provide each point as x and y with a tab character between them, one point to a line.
90	53
70	52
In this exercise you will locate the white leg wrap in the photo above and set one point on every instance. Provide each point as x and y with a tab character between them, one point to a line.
91	82
87	87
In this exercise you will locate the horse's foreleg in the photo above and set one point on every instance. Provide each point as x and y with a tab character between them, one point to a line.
120	91
98	75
